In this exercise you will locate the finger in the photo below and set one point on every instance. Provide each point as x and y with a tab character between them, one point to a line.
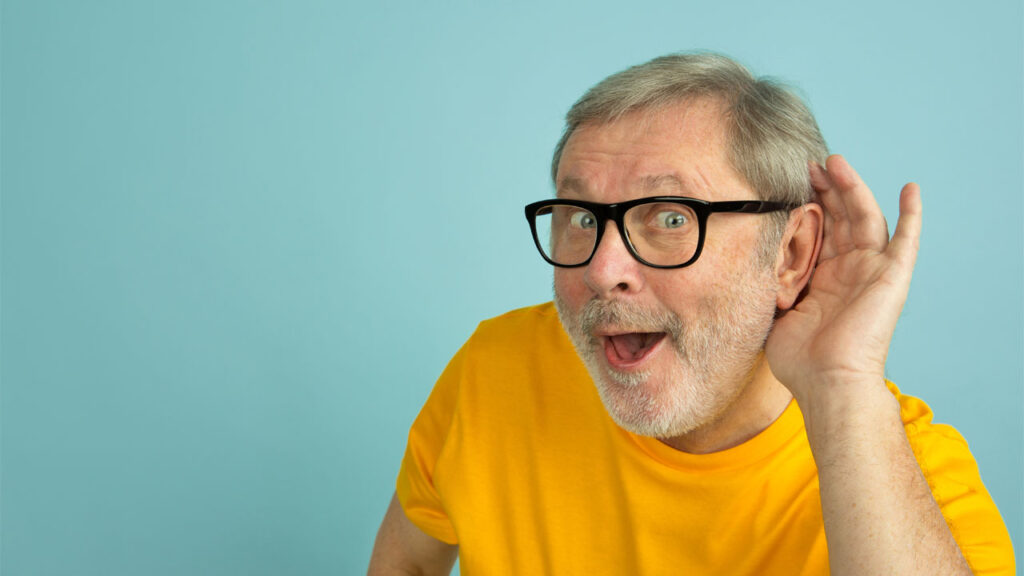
828	197
826	189
829	248
867	223
907	238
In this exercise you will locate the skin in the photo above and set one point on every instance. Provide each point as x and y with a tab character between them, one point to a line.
402	549
826	350
611	163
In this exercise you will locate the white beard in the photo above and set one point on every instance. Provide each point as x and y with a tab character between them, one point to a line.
715	355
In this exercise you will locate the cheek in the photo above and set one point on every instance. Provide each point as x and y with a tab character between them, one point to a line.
570	288
732	246
684	292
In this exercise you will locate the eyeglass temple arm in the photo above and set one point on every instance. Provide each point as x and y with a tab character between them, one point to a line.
749	206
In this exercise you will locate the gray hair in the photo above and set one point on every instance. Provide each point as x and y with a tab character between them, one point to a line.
772	134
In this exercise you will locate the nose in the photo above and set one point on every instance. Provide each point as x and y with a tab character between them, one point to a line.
613	271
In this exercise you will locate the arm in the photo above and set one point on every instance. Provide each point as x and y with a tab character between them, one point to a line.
830	351
403	549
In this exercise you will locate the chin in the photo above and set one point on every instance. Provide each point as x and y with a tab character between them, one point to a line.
647	404
701	367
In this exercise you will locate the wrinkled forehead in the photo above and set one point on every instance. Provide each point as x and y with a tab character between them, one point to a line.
644	115
676	149
650	185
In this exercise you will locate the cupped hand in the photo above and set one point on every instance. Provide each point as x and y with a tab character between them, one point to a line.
839	332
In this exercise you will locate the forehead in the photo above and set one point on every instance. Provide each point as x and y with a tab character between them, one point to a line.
680	149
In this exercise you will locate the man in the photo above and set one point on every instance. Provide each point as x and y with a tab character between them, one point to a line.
707	393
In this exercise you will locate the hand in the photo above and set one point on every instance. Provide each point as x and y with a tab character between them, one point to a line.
840	331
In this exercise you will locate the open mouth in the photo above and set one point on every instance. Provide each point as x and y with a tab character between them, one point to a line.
630	349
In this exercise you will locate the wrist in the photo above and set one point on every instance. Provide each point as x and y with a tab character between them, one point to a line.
848	408
840	391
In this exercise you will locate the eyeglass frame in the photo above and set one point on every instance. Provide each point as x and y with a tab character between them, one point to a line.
617	211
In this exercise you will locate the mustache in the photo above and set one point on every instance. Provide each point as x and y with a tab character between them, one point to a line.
624	316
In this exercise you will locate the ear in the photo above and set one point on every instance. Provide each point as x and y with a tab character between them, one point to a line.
798	253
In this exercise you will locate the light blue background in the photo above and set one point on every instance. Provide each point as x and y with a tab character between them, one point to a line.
240	240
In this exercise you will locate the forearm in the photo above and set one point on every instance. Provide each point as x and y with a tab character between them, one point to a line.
879	513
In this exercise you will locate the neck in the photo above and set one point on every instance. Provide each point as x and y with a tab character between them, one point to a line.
759	403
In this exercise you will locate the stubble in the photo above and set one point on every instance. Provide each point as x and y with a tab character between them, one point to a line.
715	352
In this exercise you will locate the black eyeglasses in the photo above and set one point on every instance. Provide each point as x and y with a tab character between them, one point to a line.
661	232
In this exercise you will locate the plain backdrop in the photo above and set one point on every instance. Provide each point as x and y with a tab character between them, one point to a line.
240	240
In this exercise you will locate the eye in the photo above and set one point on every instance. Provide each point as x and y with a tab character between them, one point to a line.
670	219
583	220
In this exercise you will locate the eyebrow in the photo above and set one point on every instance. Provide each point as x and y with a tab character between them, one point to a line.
570	184
648	184
651	183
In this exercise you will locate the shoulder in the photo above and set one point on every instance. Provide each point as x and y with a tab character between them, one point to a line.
937	446
955	481
521	357
514	322
534	329
924	434
513	342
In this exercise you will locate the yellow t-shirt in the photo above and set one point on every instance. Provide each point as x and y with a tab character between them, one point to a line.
515	459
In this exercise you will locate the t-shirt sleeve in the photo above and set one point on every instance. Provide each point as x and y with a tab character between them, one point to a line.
955	482
416	488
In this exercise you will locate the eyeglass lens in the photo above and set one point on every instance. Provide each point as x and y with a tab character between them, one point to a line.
661	233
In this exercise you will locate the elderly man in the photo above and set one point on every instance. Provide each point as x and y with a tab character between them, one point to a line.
706	394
